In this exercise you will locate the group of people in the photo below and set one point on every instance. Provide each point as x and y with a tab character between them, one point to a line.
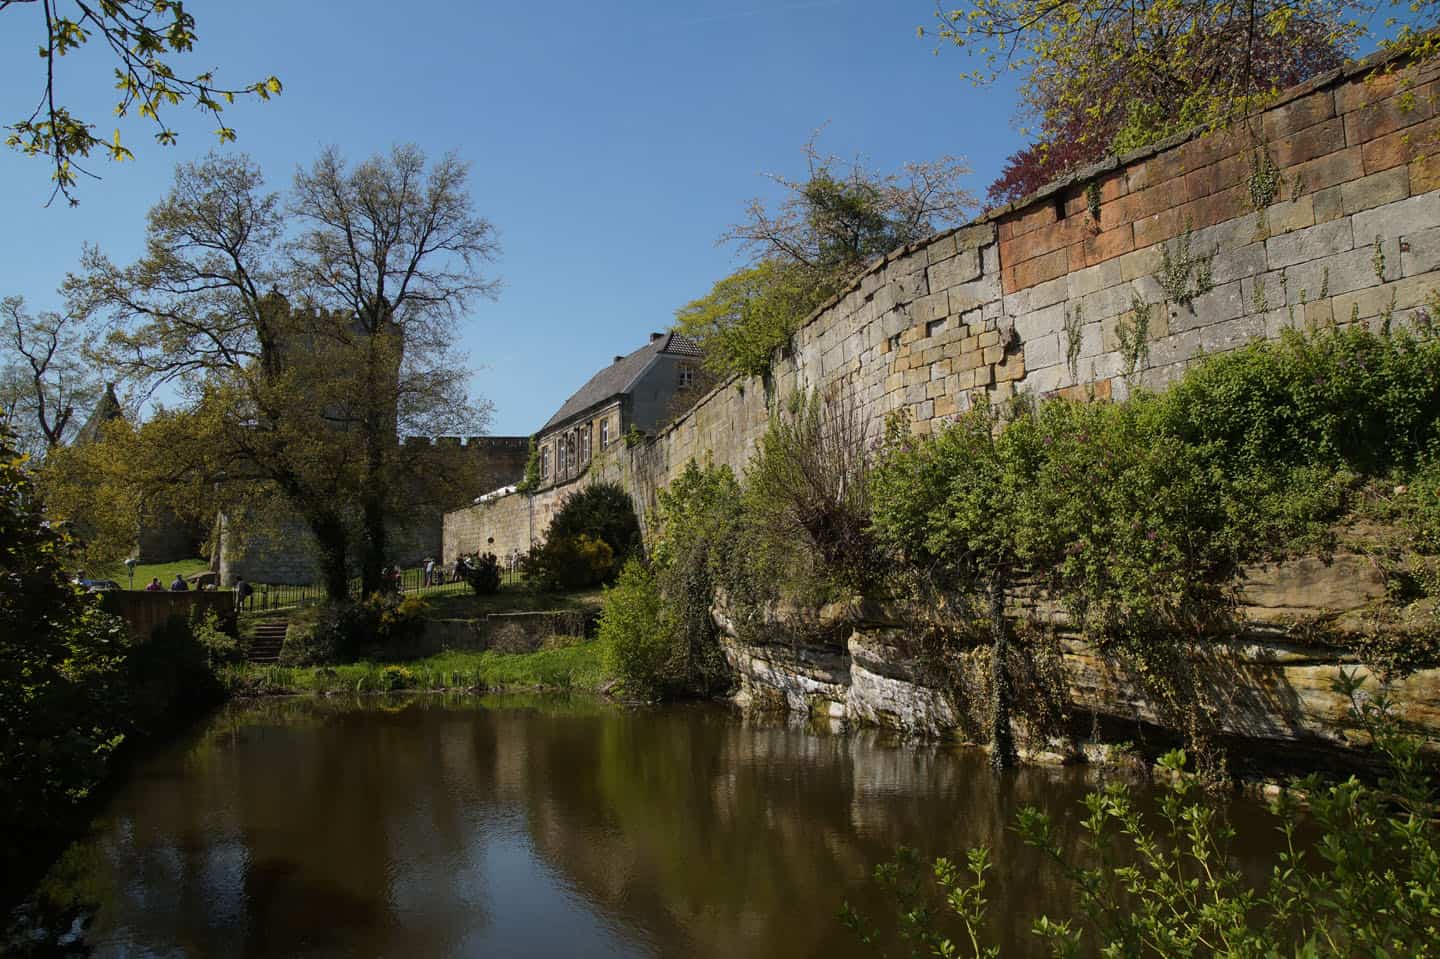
438	574
177	585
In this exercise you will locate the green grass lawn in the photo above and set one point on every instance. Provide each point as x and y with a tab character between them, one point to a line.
569	664
143	572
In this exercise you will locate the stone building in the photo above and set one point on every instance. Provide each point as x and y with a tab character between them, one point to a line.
636	393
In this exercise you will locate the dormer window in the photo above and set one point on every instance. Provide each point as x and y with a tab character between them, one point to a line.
685	378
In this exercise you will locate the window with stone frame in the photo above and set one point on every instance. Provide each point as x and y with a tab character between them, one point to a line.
685	377
605	432
585	443
545	461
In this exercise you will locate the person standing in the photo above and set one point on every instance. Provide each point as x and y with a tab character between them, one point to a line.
155	586
242	592
179	585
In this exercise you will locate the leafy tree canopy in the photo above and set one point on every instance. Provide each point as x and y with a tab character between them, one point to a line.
143	39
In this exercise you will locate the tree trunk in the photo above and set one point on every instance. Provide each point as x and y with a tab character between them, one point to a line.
1002	738
373	549
334	554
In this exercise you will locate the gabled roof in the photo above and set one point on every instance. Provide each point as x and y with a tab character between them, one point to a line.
620	376
106	411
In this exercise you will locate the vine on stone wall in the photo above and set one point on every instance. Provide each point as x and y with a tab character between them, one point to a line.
1185	275
1133	332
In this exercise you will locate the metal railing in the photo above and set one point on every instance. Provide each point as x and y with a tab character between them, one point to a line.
413	582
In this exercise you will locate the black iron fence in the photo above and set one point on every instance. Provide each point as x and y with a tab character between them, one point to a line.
413	581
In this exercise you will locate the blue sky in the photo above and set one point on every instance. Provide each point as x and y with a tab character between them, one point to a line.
610	144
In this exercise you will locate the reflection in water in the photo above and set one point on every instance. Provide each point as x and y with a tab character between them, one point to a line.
533	827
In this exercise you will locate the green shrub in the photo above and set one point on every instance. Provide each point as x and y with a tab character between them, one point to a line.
481	572
750	316
806	500
577	561
593	533
636	632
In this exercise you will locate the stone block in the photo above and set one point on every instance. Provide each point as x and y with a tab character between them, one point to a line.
1287	216
1400	147
1093	278
961	268
1161	226
1327	171
1045	350
973	237
1140	263
1232	264
1298	114
941	248
1389	114
1376	189
1231	334
1421	252
1398	219
1049	293
931	307
1425	173
1109	244
1307	144
1329	204
1037	323
1406	294
1309	244
989	338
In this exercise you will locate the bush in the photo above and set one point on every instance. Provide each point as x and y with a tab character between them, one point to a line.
637	634
481	572
806	501
591	536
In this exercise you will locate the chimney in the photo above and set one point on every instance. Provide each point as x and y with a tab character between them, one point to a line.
655	336
618	359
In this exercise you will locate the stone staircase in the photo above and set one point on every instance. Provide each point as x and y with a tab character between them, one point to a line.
266	642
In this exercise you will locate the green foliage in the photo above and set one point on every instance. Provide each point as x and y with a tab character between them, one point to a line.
657	621
143	37
530	480
806	500
1119	76
637	632
1185	275
1347	399
750	315
1135	516
824	231
1133	332
1369	885
481	572
62	680
593	533
568	562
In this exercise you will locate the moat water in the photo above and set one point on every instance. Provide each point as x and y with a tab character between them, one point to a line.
512	826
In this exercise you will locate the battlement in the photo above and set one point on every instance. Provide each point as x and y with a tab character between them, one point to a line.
478	443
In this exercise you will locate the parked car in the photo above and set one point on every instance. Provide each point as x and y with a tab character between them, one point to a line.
99	585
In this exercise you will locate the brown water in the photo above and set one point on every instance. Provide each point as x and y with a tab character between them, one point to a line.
430	827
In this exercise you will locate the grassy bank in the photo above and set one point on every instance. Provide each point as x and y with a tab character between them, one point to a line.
567	664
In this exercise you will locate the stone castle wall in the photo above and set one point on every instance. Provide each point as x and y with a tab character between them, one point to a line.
1034	298
280	549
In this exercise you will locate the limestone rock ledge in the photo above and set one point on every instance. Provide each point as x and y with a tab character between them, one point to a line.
1266	683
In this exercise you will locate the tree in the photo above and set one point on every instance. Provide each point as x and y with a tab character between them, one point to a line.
61	669
842	216
45	375
824	232
300	397
952	507
1107	75
141	37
